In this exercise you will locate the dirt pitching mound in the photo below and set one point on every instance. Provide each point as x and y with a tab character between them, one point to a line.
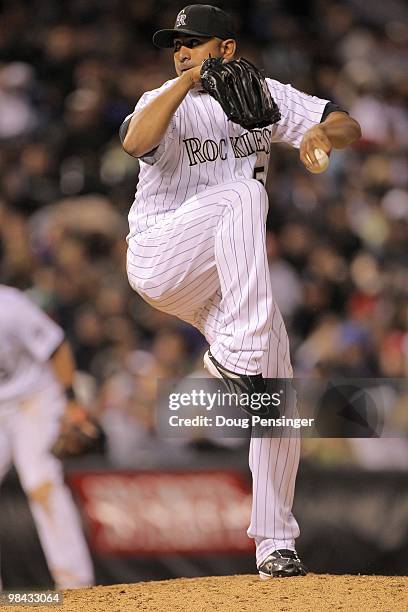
239	593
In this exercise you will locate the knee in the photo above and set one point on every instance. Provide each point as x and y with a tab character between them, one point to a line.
38	475
256	192
149	290
41	495
257	187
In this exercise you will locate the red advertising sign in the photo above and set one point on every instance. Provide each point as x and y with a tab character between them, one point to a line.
131	513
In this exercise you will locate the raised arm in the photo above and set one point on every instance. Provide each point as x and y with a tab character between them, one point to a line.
145	129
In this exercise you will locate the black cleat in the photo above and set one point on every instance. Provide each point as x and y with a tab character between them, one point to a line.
240	384
282	563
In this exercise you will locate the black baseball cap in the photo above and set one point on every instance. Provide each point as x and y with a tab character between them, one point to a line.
197	20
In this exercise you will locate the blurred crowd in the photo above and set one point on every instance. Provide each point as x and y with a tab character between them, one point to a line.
337	243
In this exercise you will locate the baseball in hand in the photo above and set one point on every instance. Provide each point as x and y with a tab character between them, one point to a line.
322	160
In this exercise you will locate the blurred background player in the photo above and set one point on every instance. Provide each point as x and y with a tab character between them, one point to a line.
36	369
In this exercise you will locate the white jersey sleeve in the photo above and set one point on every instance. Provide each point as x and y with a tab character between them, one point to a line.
153	156
299	111
35	330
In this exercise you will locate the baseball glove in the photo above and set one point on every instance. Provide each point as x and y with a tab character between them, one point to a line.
241	90
80	434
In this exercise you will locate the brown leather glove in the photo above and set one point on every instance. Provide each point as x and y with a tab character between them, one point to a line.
80	434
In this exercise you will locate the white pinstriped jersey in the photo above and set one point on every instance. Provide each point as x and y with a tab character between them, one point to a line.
28	338
201	149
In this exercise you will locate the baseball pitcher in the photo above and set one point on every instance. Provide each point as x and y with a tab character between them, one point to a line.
196	245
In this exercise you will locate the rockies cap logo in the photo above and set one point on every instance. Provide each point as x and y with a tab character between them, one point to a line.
181	19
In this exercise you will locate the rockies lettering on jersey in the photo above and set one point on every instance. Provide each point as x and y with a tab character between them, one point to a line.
249	143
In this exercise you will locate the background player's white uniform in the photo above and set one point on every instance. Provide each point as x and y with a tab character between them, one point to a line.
197	250
32	403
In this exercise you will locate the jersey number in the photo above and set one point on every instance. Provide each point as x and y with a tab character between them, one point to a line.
259	174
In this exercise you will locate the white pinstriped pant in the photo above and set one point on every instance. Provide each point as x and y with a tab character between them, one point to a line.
206	263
